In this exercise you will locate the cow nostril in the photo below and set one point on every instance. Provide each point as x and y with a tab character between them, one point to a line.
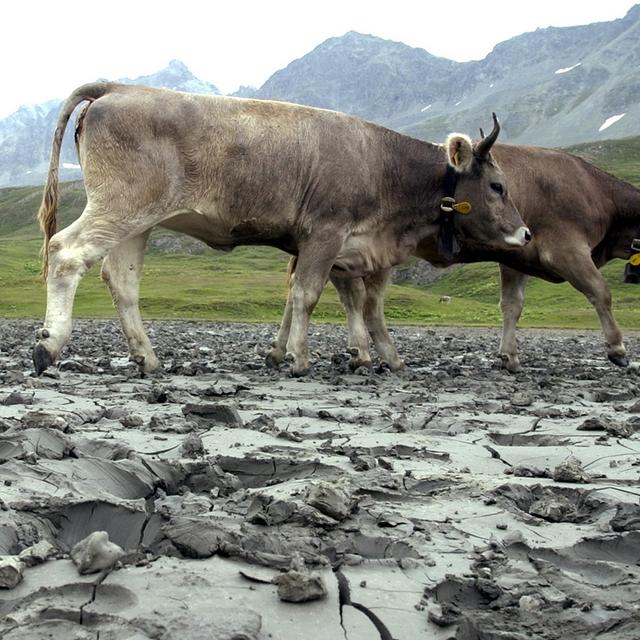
527	235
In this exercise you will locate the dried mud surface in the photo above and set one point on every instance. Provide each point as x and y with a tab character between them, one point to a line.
450	500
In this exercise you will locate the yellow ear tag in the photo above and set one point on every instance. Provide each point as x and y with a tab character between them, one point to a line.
635	259
464	208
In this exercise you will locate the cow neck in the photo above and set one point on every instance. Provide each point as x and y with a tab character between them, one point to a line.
448	245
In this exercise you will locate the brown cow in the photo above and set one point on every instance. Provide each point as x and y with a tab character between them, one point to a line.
327	187
580	218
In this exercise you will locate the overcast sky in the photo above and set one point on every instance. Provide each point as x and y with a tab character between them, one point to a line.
49	47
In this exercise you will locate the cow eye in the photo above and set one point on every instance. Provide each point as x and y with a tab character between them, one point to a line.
497	187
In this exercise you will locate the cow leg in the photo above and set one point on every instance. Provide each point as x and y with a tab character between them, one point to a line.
72	252
375	284
512	287
279	345
582	273
315	260
121	271
352	294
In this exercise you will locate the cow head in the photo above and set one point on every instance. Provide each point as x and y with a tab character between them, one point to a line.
477	206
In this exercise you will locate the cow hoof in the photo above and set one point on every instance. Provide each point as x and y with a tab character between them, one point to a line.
356	363
512	365
299	372
619	360
42	359
272	361
396	365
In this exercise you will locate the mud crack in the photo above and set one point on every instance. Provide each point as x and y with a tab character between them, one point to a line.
344	599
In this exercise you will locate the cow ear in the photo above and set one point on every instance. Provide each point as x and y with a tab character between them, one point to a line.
459	151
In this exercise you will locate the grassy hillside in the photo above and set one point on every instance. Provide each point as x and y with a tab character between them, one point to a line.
620	157
249	283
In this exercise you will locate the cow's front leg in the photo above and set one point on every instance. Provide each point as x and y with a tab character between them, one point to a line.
375	284
312	271
352	294
121	271
512	287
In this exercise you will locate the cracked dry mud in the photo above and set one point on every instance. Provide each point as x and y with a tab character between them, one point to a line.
450	500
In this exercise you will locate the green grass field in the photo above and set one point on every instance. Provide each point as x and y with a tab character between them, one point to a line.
249	285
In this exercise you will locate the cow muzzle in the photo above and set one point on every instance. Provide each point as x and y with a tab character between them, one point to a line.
520	238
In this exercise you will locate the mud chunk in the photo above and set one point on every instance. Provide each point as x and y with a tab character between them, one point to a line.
216	413
444	615
192	446
600	423
627	518
332	499
300	586
132	421
596	423
269	511
43	420
95	553
37	553
18	397
75	366
570	471
362	462
11	570
604	395
530	603
526	471
521	399
553	507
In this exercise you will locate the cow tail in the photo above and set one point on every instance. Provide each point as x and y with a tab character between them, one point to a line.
49	206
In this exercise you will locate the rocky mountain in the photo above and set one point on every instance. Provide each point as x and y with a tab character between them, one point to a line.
370	77
551	87
25	136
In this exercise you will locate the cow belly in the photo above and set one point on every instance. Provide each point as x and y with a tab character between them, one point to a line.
363	254
194	224
219	233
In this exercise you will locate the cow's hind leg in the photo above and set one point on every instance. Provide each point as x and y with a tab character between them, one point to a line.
513	284
72	252
315	260
375	284
121	271
579	269
279	345
352	294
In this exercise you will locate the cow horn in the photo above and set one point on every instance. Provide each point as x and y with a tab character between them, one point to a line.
484	146
481	134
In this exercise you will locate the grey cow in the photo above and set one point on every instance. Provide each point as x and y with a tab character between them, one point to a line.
580	217
331	189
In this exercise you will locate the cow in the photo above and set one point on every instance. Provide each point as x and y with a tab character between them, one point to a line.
580	217
329	188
